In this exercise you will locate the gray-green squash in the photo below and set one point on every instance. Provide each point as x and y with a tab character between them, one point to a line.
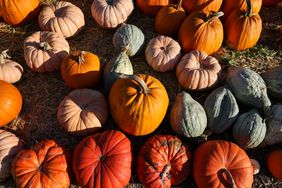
221	109
129	38
273	79
187	117
249	129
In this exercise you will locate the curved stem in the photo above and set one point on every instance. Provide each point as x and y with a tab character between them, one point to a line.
81	57
230	177
179	4
141	83
4	55
213	16
165	172
250	8
45	46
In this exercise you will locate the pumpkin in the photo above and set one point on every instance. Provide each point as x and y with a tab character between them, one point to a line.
222	109
274	164
242	28
118	65
169	19
206	5
44	51
151	7
62	17
128	38
82	111
249	129
197	71
163	53
256	166
111	13
103	160
10	71
138	104
201	31
10	145
163	161
218	163
230	5
187	116
248	87
44	165
81	69
270	2
273	79
10	102
17	12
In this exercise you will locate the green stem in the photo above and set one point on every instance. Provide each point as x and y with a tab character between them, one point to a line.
4	55
81	57
179	4
230	177
213	16
165	172
143	86
45	46
250	8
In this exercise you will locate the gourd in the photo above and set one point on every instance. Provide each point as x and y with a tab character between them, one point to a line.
270	2
206	5
274	164
151	7
230	5
273	80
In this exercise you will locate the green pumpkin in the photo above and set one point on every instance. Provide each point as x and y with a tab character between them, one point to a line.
187	117
273	79
128	38
222	109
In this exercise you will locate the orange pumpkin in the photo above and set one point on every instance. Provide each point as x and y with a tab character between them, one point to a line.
230	5
274	164
151	7
208	5
10	102
270	2
81	70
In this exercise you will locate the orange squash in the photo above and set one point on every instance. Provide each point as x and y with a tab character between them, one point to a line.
230	5
274	164
207	5
151	7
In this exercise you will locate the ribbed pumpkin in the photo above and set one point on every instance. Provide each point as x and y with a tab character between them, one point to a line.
81	70
273	79
163	161
187	116
222	164
270	2
207	5
222	109
201	31
274	163
230	5
151	7
138	104
10	102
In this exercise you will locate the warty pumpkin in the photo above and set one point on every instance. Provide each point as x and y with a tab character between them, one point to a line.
274	163
151	7
273	80
270	2
230	5
207	5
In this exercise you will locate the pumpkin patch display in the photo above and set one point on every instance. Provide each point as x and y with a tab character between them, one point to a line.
103	160
206	5
163	161
273	80
151	7
270	2
230	5
44	51
62	17
274	164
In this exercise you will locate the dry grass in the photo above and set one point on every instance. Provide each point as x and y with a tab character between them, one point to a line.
43	92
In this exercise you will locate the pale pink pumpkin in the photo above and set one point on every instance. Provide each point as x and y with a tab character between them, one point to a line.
44	51
62	17
163	53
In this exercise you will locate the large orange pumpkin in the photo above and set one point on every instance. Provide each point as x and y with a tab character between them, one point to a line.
151	7
207	5
274	164
230	5
10	102
270	2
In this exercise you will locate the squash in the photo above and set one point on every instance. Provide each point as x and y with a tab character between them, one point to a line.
187	116
163	161
274	164
206	5
273	79
201	31
82	111
163	53
81	69
128	38
256	166
62	17
230	5
270	2
138	104
111	13
218	163
103	160
44	51
197	71
151	7
222	109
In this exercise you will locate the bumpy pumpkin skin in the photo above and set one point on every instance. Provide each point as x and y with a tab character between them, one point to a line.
230	5
151	7
187	116
270	2
273	79
274	164
213	156
207	5
103	160
163	161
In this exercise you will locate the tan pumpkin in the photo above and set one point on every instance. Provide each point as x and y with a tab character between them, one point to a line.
62	17
196	71
111	13
82	111
163	53
10	71
44	51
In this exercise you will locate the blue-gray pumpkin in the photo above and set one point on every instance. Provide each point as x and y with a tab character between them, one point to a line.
273	79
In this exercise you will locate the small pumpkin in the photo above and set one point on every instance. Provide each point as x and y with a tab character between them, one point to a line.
163	161
197	71
273	79
206	5
138	104
218	163
151	7
222	109
249	129
10	71
230	5
128	38
103	160
81	69
111	13
201	31
270	2
44	51
44	164
187	117
163	53
256	166
10	145
82	111
62	17
274	164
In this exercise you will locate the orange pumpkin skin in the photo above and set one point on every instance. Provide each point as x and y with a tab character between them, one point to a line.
151	7
270	2
230	5
208	5
274	164
10	102
81	70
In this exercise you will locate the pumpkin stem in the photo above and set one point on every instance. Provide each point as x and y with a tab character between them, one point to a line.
213	16
179	4
230	177
4	55
249	8
81	57
45	46
165	172
143	86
